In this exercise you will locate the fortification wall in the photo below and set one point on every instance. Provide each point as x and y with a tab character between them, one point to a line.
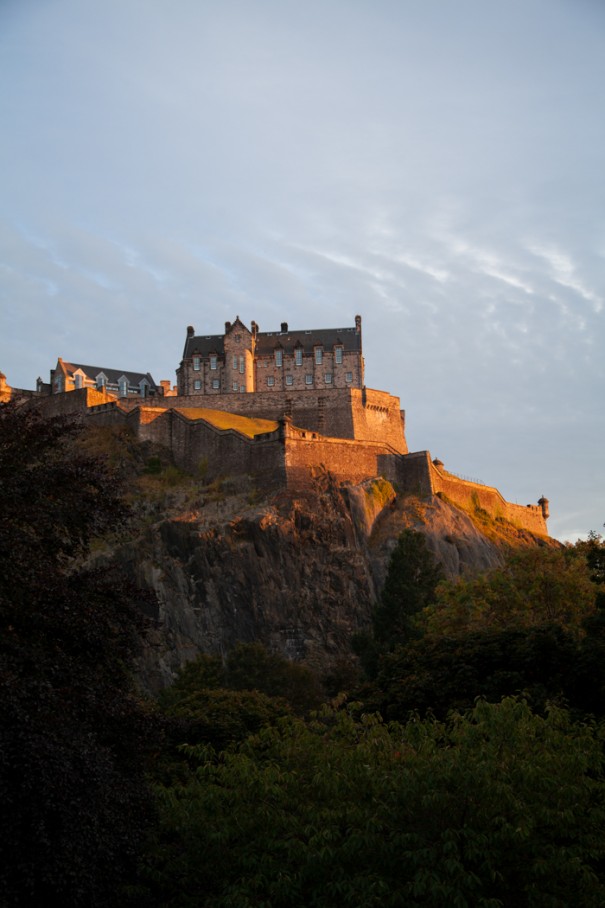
417	474
73	403
377	417
365	415
472	494
347	460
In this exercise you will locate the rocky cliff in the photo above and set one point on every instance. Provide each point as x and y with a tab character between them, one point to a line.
297	572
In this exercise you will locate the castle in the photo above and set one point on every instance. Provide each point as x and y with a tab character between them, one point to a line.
280	405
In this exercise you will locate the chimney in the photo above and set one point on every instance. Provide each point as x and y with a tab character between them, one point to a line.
358	324
227	327
254	327
284	327
190	331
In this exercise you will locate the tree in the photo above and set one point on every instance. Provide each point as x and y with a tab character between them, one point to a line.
495	807
410	586
73	733
438	674
535	586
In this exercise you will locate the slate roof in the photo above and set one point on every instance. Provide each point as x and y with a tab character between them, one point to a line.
267	341
349	338
112	375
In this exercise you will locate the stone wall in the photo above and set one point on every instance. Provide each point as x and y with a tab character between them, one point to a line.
472	494
73	403
418	475
365	415
306	453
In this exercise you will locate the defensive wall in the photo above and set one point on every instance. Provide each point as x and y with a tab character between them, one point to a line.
365	438
359	414
290	455
422	476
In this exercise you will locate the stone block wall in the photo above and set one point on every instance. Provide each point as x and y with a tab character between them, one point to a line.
353	413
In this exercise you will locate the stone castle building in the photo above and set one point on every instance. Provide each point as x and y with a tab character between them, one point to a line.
246	360
281	406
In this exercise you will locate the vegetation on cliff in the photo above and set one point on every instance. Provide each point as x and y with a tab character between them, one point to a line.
466	768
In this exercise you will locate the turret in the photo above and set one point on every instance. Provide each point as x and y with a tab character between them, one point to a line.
543	502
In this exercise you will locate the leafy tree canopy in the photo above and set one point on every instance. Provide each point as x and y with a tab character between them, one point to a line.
72	731
494	808
536	586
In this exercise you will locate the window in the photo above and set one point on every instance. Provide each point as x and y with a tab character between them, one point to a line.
349	376
123	387
298	355
235	361
216	384
338	355
78	380
196	363
241	365
279	357
308	379
213	361
101	381
197	385
319	356
289	379
270	381
235	386
328	378
242	389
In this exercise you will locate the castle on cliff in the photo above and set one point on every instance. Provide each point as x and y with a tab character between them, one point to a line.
282	406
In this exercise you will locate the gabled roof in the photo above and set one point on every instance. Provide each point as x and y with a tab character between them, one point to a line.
112	375
267	341
348	338
204	345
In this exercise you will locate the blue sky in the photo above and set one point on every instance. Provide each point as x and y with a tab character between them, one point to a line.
434	166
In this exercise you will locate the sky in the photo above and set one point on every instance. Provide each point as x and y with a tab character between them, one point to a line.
436	166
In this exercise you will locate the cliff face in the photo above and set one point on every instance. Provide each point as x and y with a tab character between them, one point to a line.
297	572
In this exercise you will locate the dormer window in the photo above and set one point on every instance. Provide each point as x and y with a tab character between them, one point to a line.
338	355
123	386
78	380
101	381
319	356
213	361
196	363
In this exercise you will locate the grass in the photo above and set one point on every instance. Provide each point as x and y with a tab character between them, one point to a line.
245	425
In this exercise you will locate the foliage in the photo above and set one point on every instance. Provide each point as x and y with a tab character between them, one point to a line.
221	717
73	733
535	586
495	808
593	549
410	586
438	674
249	666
